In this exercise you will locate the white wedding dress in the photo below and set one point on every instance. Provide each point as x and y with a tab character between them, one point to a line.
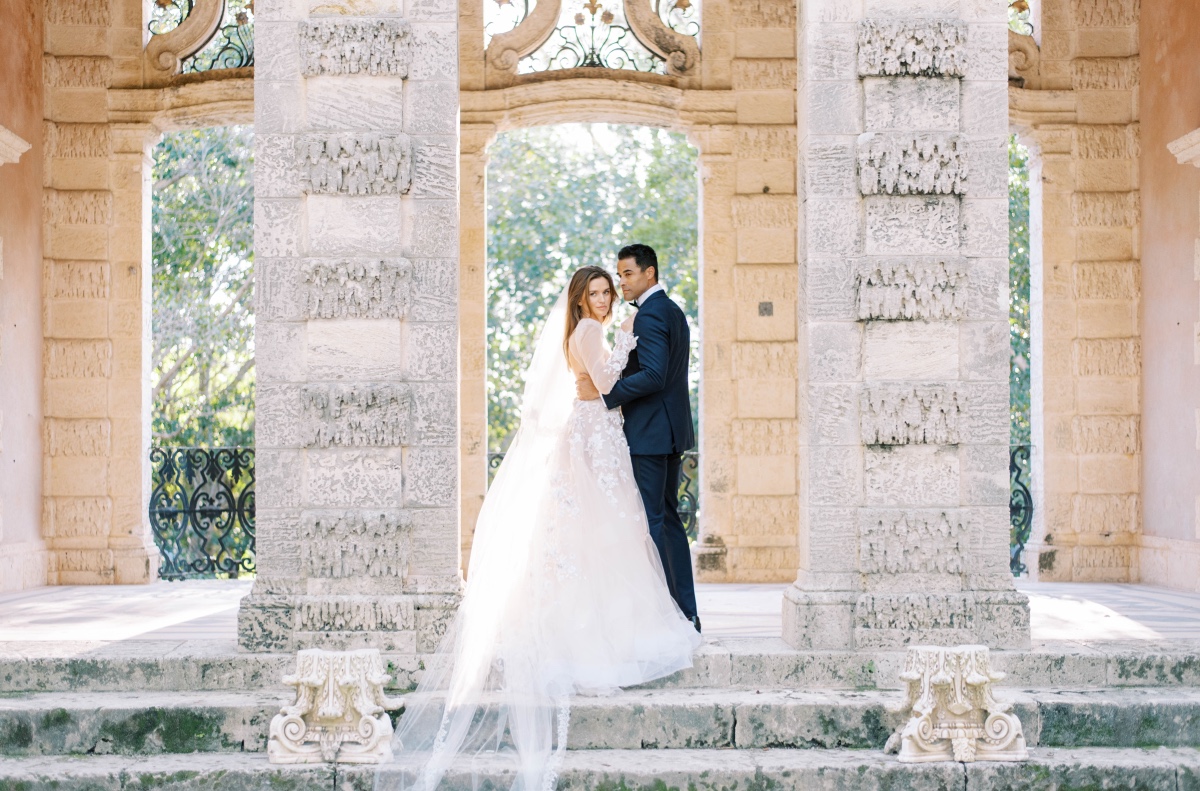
565	591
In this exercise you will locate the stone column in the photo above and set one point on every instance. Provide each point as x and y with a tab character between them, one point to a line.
356	252
904	338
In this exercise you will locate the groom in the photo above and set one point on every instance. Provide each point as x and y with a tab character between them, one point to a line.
653	395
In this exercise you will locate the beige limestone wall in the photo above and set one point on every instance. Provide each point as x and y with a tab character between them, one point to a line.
739	110
23	560
95	310
1082	124
1170	324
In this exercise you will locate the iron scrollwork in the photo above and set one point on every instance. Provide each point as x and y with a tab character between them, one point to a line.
192	36
689	489
233	45
202	512
1020	507
597	39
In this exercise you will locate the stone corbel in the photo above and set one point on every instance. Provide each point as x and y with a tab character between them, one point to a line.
1024	61
11	147
505	50
165	53
681	52
1187	148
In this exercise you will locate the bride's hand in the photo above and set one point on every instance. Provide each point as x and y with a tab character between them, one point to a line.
627	325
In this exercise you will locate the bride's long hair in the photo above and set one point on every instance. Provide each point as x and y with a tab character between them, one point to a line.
577	293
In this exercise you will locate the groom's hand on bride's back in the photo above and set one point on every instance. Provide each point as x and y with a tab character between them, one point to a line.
585	388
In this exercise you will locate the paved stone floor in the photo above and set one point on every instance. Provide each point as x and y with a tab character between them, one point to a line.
202	610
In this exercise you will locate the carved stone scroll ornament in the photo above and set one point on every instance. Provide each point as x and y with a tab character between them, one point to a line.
505	50
340	712
954	715
165	53
680	51
1024	61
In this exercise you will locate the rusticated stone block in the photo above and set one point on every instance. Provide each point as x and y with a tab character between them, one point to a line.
1105	74
1108	357
348	544
1105	434
891	104
77	72
883	619
368	478
356	415
356	164
1106	13
355	614
927	289
77	280
1107	209
765	142
78	359
358	46
77	207
435	173
911	414
1105	281
917	163
918	475
1106	142
929	48
85	437
911	541
68	12
904	225
764	211
78	141
1106	514
374	289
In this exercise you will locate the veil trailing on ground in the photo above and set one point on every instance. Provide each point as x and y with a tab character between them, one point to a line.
492	700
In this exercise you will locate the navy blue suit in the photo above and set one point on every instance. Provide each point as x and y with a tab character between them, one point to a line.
653	395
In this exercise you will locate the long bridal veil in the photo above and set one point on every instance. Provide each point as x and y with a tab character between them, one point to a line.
491	699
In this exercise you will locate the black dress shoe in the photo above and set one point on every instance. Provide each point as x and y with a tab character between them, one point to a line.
695	619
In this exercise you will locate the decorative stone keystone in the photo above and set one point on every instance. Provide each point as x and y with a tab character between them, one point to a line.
954	716
340	713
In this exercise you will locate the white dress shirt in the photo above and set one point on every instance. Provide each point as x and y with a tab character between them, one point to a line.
654	289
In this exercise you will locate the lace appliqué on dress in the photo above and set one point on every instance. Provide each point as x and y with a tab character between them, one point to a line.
623	343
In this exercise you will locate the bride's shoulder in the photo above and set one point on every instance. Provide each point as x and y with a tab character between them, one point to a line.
588	324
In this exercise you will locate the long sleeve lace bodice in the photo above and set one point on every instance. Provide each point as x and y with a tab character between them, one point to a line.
591	355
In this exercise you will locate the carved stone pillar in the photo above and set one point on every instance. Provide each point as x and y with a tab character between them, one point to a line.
356	255
904	338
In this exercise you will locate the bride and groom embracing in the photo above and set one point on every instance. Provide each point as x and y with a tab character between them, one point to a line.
580	576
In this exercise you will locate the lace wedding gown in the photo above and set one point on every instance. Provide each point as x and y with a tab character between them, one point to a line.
565	591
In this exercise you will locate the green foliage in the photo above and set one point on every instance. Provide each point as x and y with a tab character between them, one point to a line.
202	366
1018	290
567	196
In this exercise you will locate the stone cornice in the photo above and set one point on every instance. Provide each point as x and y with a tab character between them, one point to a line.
1187	148
1028	108
11	146
198	104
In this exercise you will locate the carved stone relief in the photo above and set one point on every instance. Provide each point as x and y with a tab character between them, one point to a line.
928	48
356	46
680	52
1024	61
356	415
505	50
911	541
893	289
920	163
351	288
911	414
356	164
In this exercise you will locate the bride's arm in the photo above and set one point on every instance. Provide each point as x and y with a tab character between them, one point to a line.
603	366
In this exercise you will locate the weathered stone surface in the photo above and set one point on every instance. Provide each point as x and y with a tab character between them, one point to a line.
888	48
1107	357
891	104
78	280
365	226
1105	74
354	478
78	359
1105	434
356	288
1105	13
355	46
361	164
911	475
904	414
912	541
916	164
1106	209
77	207
912	225
356	415
928	289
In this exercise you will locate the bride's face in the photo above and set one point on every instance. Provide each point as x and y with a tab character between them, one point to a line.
597	302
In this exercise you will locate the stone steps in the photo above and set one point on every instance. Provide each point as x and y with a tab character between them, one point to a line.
642	770
235	722
729	663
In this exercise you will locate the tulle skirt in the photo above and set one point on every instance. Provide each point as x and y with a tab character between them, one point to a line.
566	595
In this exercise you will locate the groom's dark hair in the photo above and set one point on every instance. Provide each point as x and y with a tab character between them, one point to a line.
643	255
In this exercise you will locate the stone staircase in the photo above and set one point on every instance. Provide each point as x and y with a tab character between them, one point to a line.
752	715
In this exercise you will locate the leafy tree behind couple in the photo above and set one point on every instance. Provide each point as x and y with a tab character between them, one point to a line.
566	196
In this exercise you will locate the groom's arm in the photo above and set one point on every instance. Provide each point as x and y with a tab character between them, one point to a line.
653	348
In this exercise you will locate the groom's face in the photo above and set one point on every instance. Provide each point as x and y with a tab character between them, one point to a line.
634	281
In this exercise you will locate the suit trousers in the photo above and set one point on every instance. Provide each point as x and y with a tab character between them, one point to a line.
657	478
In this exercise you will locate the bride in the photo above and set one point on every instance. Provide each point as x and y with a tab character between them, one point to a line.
566	593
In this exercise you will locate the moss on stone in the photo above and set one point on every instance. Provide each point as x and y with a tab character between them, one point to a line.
16	736
178	731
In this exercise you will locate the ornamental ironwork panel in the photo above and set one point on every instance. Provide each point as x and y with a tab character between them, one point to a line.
689	489
232	44
1020	507
202	512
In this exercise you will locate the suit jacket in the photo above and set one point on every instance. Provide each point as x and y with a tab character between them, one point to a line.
653	389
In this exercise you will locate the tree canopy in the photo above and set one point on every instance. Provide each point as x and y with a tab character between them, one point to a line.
202	365
563	197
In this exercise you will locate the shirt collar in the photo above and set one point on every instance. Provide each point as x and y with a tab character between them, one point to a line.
654	289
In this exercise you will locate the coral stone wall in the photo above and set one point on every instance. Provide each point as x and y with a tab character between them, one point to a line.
23	560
